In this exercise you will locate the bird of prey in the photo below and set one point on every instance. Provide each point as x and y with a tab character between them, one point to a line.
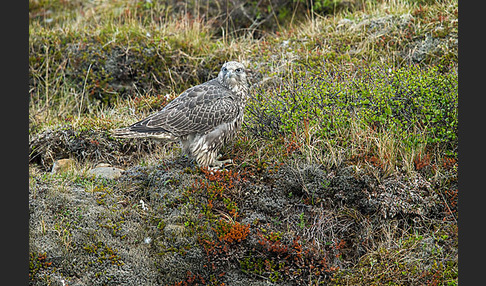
203	118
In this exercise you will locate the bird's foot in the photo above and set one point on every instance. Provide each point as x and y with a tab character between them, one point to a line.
218	165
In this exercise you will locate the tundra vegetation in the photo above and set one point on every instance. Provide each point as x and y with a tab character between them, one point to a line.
345	171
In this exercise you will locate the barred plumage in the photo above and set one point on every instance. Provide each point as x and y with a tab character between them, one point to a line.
203	118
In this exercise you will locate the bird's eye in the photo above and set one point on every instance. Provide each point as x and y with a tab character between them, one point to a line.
224	69
238	70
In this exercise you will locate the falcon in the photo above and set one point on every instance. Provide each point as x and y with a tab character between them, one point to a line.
203	118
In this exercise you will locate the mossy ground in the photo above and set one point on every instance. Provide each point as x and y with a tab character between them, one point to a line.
345	170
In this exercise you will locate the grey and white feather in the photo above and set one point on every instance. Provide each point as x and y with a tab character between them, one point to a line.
204	117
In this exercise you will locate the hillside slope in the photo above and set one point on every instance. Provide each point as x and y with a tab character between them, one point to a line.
345	171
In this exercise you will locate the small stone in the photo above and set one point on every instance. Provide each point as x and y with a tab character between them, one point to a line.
103	165
106	172
62	165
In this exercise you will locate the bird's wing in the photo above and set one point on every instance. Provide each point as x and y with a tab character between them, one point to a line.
198	109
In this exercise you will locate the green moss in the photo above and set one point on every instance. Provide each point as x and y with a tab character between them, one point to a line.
37	262
102	254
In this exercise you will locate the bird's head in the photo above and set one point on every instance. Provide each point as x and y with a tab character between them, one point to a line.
233	75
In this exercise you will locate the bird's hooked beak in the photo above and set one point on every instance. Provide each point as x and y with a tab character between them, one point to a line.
231	77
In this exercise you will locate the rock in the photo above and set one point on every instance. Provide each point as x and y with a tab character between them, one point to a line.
106	172
62	165
103	165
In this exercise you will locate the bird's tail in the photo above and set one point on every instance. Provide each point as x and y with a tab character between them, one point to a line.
128	132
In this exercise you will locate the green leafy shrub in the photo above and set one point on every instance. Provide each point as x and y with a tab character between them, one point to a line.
408	101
